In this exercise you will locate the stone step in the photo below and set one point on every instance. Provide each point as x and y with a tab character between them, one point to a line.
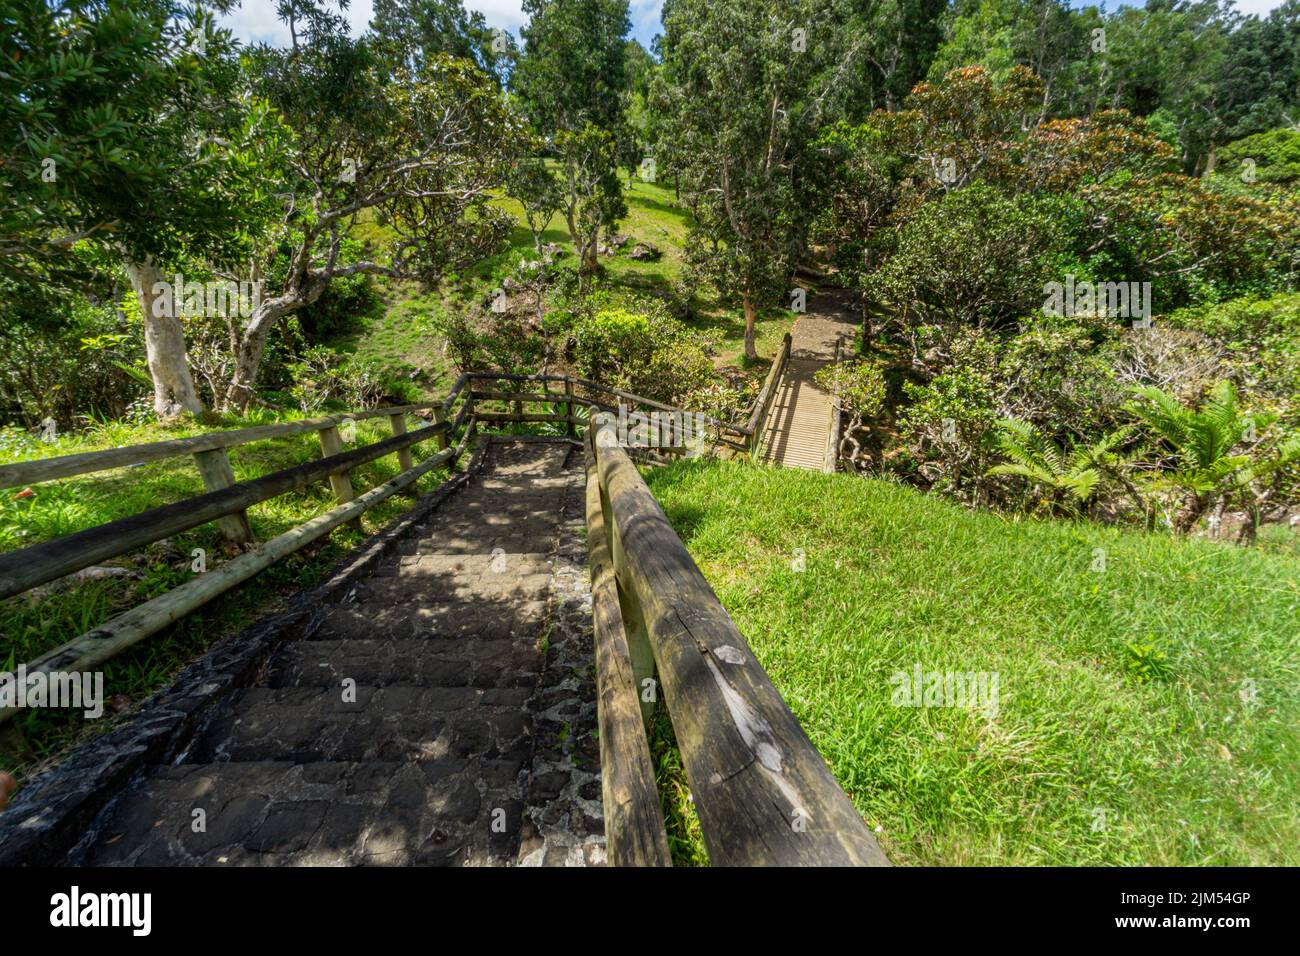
472	662
451	811
487	620
431	589
394	723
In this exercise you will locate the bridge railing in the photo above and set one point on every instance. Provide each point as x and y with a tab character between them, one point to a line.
757	424
763	793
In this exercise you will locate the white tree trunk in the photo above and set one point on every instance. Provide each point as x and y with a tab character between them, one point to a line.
164	342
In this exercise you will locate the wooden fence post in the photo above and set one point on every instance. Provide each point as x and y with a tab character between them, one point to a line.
214	468
340	484
404	460
570	429
442	438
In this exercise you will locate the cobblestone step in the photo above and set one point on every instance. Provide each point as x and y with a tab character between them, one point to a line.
398	723
379	663
451	811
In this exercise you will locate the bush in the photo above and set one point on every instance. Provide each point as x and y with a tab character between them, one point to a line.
87	361
647	354
322	376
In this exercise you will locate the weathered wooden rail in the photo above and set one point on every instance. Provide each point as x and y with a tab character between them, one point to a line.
832	462
763	793
763	404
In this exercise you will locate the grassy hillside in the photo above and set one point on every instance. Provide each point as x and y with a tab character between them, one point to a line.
397	332
1084	761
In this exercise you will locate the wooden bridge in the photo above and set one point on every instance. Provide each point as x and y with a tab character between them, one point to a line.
461	690
798	424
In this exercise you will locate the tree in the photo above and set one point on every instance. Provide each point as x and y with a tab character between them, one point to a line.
573	69
859	387
135	143
422	150
536	188
410	31
591	194
746	87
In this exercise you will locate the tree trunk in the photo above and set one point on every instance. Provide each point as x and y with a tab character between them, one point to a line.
248	353
164	342
252	344
751	315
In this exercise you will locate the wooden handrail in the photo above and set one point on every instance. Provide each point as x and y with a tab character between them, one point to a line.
634	823
754	427
763	793
39	563
831	461
66	466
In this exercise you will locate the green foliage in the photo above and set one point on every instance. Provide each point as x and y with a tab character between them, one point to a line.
1214	452
90	364
322	377
857	383
646	354
1066	478
572	69
973	256
1275	154
1146	662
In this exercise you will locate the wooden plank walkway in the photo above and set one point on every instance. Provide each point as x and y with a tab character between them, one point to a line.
797	430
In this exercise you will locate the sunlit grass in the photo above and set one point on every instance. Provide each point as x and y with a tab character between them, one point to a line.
1083	763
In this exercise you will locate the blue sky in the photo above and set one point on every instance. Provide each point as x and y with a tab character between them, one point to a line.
255	20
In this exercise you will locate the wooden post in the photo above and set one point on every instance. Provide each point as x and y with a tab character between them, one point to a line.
443	439
340	484
570	429
404	460
214	468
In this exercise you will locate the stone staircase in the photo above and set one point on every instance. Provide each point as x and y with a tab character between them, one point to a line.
440	710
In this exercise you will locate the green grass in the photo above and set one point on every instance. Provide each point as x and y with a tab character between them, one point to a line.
30	627
1180	768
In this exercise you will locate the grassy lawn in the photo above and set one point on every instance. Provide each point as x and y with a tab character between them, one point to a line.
31	627
1083	760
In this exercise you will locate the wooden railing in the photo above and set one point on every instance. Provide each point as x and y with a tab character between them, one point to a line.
832	460
225	502
763	793
767	394
477	398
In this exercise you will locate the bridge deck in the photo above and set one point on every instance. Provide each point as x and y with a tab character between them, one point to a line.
439	712
797	429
